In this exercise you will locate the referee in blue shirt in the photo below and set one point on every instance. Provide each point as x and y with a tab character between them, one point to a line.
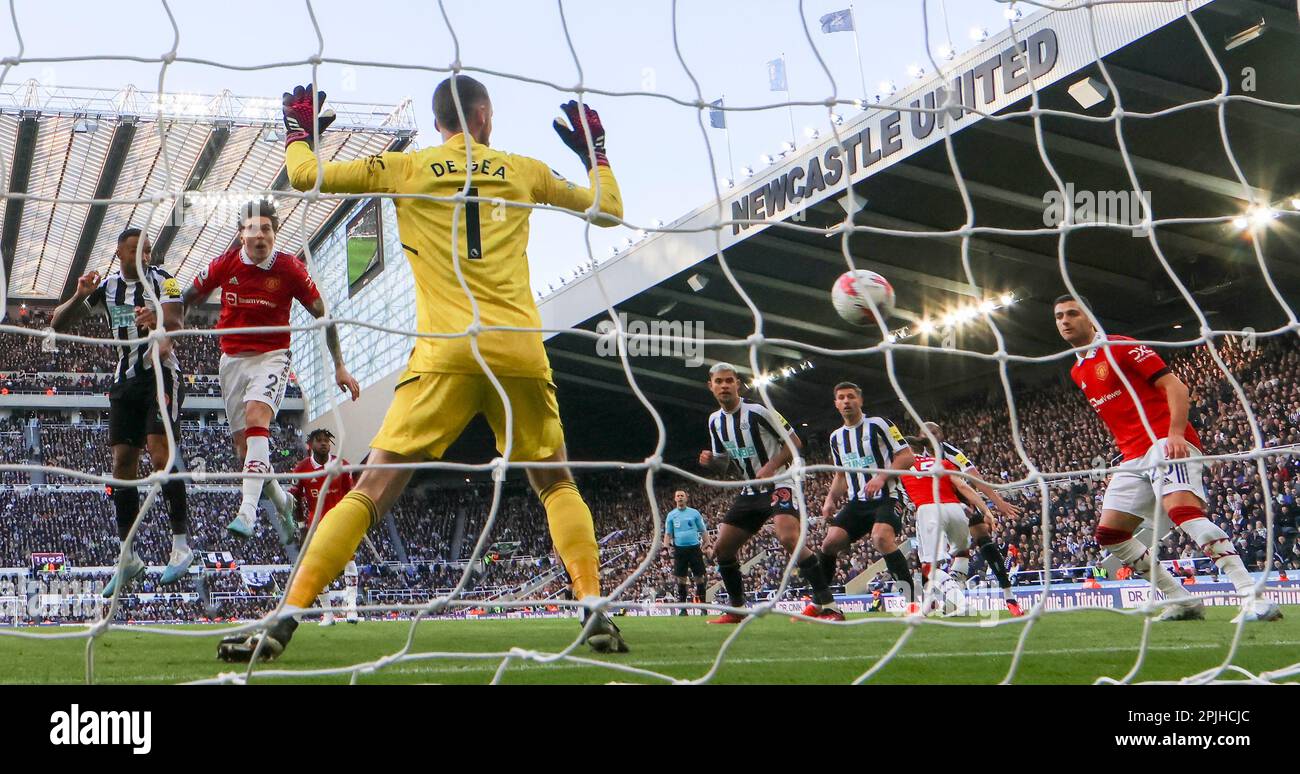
689	537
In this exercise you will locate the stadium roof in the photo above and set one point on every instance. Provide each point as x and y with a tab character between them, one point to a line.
82	144
1157	64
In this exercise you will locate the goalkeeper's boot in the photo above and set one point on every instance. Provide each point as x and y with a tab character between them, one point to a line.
180	561
240	648
1013	607
1260	610
604	636
243	524
1191	610
828	613
134	569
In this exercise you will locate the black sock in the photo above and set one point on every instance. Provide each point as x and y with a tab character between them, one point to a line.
733	581
700	591
681	592
897	564
177	506
828	567
993	558
811	569
126	503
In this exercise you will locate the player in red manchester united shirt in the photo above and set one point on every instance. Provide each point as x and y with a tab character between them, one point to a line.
306	492
942	517
1156	463
258	286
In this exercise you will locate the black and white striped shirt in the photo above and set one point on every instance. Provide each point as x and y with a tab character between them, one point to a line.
116	299
871	443
957	456
751	435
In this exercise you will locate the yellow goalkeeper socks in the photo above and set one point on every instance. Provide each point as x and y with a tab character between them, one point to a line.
333	545
574	536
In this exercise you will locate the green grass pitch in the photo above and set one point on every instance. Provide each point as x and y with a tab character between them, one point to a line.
1074	647
361	251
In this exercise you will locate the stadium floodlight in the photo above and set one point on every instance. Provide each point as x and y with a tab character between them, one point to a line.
724	182
925	327
1245	36
1260	216
949	320
946	51
987	306
1088	92
838	119
967	313
1007	299
765	159
979	34
914	70
1013	14
787	147
747	171
1295	202
1240	222
811	132
657	223
887	87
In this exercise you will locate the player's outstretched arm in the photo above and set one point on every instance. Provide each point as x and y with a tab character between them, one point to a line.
342	378
74	309
965	492
367	175
986	489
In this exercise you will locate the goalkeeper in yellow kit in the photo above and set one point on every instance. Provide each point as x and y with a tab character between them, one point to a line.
444	387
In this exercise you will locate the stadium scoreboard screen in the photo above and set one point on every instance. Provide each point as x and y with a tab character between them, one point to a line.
365	244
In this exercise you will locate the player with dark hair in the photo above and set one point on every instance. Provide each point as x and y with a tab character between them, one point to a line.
135	419
870	506
747	438
686	532
307	492
1155	473
258	287
981	521
444	387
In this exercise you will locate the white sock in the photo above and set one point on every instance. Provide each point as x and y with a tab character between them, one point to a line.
350	587
324	600
1215	544
180	542
275	493
960	569
1136	555
256	460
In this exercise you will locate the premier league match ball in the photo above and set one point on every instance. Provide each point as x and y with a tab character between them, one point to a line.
852	290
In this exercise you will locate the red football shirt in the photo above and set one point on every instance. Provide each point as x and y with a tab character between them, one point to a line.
920	489
306	491
1096	376
253	295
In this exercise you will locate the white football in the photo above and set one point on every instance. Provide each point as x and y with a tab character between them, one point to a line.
852	290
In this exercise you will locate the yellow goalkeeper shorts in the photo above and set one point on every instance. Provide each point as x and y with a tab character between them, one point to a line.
430	411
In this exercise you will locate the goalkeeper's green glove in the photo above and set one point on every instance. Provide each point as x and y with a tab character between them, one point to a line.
299	112
575	137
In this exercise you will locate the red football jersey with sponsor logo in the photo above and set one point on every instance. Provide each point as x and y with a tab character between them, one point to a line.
920	489
1096	376
306	491
253	295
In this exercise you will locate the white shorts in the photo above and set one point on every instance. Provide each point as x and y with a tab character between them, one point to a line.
261	378
936	522
1135	491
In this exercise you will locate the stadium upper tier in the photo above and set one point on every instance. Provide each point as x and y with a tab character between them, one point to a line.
179	165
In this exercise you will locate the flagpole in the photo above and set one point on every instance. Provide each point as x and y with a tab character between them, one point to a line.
726	131
858	51
794	138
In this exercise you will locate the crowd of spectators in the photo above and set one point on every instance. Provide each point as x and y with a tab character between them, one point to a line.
1057	429
39	354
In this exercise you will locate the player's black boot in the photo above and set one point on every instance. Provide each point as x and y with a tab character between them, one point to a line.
604	636
240	648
